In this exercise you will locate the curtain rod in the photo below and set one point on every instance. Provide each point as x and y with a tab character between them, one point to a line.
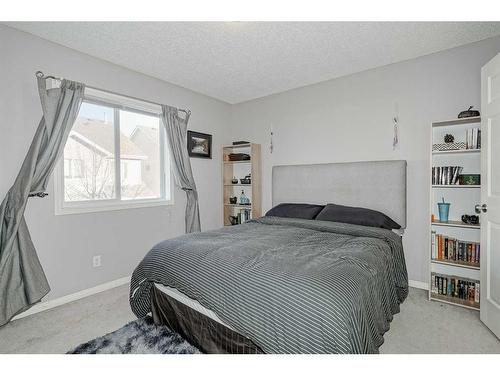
40	74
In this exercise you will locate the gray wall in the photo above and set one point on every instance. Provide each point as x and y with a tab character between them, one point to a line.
345	119
350	119
67	243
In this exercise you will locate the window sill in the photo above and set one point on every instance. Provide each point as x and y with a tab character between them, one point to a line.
84	207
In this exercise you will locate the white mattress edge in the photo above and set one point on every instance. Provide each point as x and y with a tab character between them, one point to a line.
195	305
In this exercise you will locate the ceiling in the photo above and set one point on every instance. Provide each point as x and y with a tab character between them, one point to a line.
240	61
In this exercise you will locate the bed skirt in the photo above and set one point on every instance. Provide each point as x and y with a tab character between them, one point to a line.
201	331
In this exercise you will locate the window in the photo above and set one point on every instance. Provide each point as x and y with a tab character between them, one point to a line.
114	157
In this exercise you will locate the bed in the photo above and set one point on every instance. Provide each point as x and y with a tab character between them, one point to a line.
287	285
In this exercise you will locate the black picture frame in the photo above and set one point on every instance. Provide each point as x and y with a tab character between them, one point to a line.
199	145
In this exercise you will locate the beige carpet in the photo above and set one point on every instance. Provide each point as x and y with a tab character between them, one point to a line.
421	327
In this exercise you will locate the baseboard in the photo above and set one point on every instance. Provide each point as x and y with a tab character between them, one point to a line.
418	284
43	306
47	305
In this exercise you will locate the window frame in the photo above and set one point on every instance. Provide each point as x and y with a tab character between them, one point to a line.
118	102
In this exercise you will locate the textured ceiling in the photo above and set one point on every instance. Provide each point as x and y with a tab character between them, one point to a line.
239	61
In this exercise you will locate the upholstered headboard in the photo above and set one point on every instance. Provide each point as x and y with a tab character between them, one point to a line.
378	185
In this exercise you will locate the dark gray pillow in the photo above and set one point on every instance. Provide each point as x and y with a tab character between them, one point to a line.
356	215
296	210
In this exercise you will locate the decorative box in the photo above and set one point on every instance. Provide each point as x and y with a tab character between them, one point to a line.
238	157
469	179
449	146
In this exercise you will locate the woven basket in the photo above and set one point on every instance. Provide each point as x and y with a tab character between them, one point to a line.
449	146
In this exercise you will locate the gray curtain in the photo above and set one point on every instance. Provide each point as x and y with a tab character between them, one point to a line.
176	128
22	280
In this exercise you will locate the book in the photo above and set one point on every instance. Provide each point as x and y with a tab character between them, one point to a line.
433	244
440	247
446	175
446	248
452	249
461	289
471	294
473	138
458	170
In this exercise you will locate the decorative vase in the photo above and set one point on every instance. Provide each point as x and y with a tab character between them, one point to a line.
244	199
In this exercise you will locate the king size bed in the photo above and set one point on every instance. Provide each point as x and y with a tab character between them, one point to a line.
293	281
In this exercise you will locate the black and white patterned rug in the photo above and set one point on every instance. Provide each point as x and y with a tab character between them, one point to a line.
141	336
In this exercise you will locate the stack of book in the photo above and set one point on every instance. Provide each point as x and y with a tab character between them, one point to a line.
445	175
244	215
448	248
455	287
473	138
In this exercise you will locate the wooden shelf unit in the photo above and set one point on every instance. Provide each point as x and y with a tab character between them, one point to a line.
463	198
240	169
238	162
245	206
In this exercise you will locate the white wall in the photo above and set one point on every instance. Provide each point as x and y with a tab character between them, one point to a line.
66	244
350	119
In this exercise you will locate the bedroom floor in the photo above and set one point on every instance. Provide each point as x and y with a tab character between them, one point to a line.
421	327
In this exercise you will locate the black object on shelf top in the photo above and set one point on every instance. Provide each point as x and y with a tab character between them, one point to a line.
469	113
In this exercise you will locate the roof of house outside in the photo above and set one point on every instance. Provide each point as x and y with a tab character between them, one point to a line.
151	133
100	134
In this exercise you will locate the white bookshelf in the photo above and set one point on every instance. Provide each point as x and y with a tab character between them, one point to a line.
462	198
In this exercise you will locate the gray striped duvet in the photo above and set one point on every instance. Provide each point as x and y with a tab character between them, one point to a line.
290	285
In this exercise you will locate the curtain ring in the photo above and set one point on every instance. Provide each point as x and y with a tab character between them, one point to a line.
39	74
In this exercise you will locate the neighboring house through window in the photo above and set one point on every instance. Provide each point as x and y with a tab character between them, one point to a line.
114	157
73	168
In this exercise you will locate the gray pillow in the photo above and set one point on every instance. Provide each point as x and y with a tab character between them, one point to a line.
356	215
295	210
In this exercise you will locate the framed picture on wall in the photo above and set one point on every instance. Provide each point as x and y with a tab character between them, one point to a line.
199	145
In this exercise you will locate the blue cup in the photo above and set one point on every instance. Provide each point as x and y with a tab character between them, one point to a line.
444	210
